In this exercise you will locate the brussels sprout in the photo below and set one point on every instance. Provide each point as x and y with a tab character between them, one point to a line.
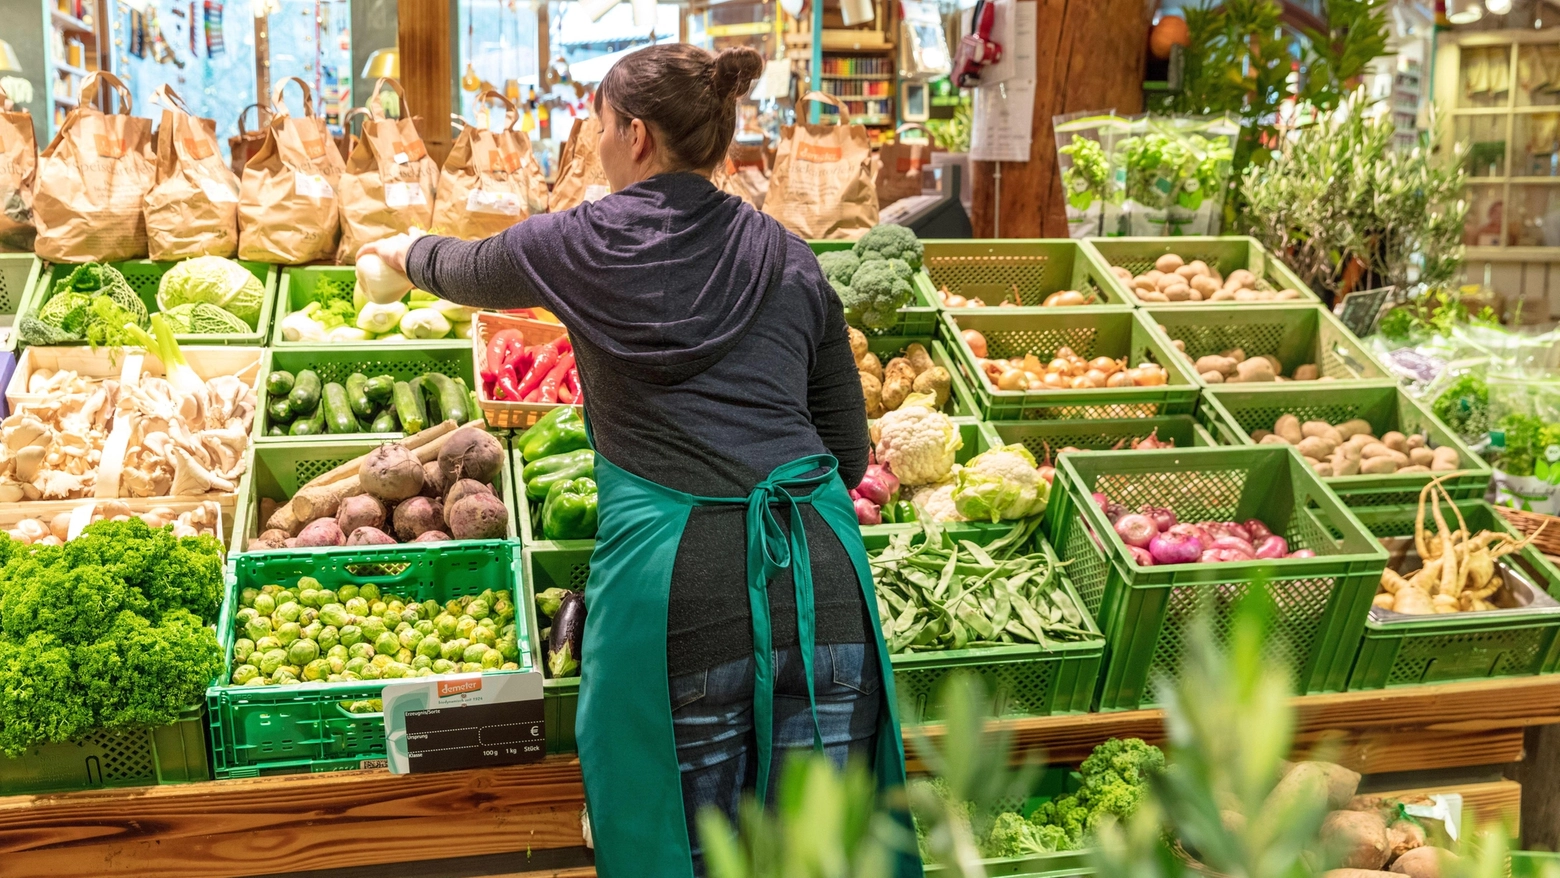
404	656
509	666
308	582
485	636
285	595
338	651
386	644
309	616
369	592
507	630
351	634
258	627
301	652
265	604
272	659
390	619
272	589
454	649
309	597
465	626
336	663
287	612
312	631
334	678
395	671
329	597
425	672
443	666
489	623
504	611
491	660
408	637
316	670
421	661
365	651
381	660
470	667
424	627
378	608
346	593
430	646
242	647
351	676
288	632
242	617
372	628
371	672
258	681
454	607
355	665
295	670
285	676
474	652
395	605
430	608
328	637
508	648
444	623
267	643
244	673
246	598
398	627
334	614
478	609
357	607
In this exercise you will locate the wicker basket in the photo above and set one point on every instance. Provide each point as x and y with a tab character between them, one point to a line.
1528	523
503	414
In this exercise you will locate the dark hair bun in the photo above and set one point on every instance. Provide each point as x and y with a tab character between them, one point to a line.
734	71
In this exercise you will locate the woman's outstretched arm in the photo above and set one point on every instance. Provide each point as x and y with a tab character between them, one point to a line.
477	274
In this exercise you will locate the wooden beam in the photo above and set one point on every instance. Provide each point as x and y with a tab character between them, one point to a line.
1090	56
423	30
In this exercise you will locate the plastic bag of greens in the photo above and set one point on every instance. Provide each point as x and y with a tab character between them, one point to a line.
1176	170
1085	144
1525	440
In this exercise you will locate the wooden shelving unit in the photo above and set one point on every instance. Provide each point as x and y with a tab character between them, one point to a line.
859	65
76	40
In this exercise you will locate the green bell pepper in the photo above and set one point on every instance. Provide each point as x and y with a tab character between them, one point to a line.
569	512
540	475
559	431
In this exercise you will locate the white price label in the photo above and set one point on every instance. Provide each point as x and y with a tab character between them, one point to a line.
502	203
401	158
400	195
313	186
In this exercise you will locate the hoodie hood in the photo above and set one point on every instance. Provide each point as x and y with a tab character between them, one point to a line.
665	277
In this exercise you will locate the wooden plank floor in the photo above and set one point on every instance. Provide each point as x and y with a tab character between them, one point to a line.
332	823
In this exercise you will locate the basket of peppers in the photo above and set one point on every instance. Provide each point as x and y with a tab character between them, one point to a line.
557	471
526	369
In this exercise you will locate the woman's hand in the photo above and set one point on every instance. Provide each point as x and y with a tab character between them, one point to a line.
381	268
392	250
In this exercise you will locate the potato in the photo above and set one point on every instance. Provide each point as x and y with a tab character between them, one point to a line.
1421	456
872	389
1359	440
1256	369
1188	272
1356	839
1404	836
1375	449
1259	435
1144	282
1306	781
1213	377
1286	295
1223	365
1378	466
1322	429
935	381
1199	267
1178	293
1168	262
1166	281
1222	296
1122	273
1273	439
1240	278
1151	296
1424	862
871	365
1355	873
1414	468
1445	458
1323	469
1341	784
1288	427
1344	465
1308	372
858	342
1395	441
1205	285
1418	440
919	359
1236	354
1356	427
1247	296
1317	447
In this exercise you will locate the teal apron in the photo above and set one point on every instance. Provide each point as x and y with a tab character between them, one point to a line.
627	748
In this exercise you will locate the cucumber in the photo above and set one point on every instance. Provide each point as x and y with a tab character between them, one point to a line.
357	382
279	383
452	399
276	430
424	391
385	422
305	395
338	411
380	389
280	411
409	409
312	424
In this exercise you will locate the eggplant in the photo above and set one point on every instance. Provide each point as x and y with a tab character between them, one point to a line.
568	630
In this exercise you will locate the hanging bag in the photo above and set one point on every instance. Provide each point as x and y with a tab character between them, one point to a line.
490	180
246	142
192	209
744	173
18	170
580	175
823	185
287	205
900	165
388	186
92	182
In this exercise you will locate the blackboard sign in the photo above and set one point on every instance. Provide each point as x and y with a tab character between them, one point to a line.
464	721
1360	310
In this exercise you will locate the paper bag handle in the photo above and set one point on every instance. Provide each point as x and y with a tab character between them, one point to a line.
822	98
260	113
89	87
281	105
511	115
6	104
914	126
377	109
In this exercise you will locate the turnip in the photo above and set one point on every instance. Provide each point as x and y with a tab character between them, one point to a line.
1136	530
1272	546
1175	548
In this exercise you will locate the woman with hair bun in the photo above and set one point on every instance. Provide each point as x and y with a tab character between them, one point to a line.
731	620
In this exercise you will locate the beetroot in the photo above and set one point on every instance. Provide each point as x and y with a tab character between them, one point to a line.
432	536
360	511
370	536
433	480
321	533
471	453
479	517
417	516
463	488
392	473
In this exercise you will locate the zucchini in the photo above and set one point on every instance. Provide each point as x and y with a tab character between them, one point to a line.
452	399
305	395
357	382
380	389
276	430
280	411
409	409
312	424
279	383
424	391
338	411
385	422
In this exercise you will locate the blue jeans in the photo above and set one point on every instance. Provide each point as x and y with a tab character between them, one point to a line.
712	716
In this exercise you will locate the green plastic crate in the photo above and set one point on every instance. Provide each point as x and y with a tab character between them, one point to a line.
276	471
19	274
1090	332
1296	334
565	567
989	270
108	759
1061	864
1232	413
1146	612
1044	438
1138	255
144	275
961	402
917	319
333	363
1459	646
262	730
303	284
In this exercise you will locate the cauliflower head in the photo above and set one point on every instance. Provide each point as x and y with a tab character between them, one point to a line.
875	294
890	241
918	442
935	502
1002	484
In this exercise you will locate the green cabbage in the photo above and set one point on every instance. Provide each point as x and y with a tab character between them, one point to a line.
214	281
202	319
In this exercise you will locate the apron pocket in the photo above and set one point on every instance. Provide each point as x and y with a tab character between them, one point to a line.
688	688
855	667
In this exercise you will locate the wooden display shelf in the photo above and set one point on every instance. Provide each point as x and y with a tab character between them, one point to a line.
275	825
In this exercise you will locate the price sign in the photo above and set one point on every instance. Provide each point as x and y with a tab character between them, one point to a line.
1360	310
464	721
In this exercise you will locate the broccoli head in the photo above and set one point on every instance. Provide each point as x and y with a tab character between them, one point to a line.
1012	837
874	296
890	241
901	268
839	265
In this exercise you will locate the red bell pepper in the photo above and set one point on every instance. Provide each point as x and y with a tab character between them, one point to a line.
547	357
555	377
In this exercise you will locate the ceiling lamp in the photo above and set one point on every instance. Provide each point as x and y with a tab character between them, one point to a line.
383	62
8	60
1464	11
1497	7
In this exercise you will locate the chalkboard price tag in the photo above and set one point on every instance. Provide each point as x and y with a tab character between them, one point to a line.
464	721
1360	310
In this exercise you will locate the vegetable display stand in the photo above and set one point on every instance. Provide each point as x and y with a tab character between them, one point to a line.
1090	333
1298	335
334	363
208	363
19	273
1045	438
258	730
123	758
1401	650
1147	612
1231	414
300	285
567	567
1137	255
977	440
499	413
144	275
961	401
277	471
917	319
1022	272
1061	864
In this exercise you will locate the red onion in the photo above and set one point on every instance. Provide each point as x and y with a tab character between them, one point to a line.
1235	544
1214	529
1141	557
868	512
1163	518
878	485
1223	556
1193	530
1302	553
1257	528
1048	473
854	495
1272	546
1101	500
1239	530
1175	548
1136	530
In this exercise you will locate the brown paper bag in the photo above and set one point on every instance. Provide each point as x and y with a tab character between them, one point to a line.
580	175
388	186
823	182
287	205
192	209
744	173
18	170
490	180
92	182
246	142
900	165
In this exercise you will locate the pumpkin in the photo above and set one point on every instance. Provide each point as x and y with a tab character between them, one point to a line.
1170	31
